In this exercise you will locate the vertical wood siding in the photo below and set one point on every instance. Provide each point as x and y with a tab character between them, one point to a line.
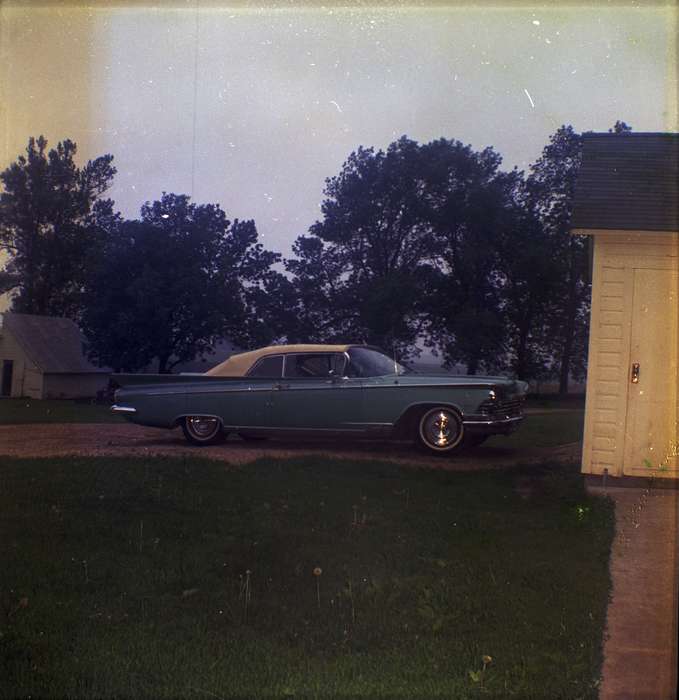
616	256
26	377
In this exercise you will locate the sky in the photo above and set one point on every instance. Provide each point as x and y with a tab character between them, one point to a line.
254	107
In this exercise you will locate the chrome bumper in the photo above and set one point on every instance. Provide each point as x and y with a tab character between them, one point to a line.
123	409
489	426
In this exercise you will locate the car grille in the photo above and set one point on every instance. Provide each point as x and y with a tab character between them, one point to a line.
510	408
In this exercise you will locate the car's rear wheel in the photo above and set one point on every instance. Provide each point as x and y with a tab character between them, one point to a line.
202	430
440	430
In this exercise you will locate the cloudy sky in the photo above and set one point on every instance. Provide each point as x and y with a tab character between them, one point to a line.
253	108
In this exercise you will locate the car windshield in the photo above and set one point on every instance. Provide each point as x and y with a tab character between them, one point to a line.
366	362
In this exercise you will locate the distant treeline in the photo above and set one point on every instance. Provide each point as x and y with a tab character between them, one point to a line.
421	242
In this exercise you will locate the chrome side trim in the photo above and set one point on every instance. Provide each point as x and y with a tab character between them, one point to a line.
290	429
222	390
501	421
397	385
202	390
122	409
189	390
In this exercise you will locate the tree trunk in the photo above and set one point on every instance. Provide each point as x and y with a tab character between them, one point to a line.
569	329
520	366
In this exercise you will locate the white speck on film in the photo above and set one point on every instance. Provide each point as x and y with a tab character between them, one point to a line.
532	104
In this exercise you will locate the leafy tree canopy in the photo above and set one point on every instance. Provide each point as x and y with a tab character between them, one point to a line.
50	213
551	186
406	247
471	206
361	268
170	284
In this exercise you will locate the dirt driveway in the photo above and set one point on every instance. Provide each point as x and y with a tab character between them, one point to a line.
66	439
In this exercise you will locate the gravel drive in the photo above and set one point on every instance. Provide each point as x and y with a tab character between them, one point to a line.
84	439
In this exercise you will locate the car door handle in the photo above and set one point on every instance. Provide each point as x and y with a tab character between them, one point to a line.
278	387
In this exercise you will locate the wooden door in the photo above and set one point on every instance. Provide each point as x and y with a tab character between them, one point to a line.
7	366
651	424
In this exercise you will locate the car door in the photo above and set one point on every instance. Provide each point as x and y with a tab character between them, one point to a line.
314	394
241	402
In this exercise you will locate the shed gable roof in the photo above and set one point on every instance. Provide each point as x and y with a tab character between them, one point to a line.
54	344
628	182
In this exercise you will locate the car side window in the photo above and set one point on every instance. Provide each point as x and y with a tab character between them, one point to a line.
339	364
268	367
310	365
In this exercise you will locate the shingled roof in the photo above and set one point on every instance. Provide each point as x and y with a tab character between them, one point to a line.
628	182
54	344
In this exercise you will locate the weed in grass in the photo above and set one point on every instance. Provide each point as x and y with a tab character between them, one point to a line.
317	574
350	595
479	676
245	593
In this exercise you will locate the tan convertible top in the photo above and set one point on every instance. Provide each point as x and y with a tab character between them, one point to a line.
238	365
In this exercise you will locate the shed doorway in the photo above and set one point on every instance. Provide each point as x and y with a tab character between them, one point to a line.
651	423
7	370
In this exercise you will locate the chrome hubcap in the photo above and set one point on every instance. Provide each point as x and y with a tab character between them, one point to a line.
440	429
202	426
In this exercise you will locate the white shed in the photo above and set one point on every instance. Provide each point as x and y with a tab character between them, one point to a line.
42	357
627	201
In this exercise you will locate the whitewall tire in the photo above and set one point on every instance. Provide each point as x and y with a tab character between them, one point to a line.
202	430
440	430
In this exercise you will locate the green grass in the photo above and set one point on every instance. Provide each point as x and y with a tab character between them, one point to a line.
543	430
181	578
556	402
55	411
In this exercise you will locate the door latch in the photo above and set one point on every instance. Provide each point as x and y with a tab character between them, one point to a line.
635	373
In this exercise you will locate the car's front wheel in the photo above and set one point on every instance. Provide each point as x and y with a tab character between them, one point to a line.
440	430
202	430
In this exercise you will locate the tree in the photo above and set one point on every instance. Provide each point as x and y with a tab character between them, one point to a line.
620	128
527	274
551	186
422	241
469	205
168	286
50	213
8	281
359	274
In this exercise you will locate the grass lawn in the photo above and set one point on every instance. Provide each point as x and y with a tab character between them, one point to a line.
181	578
554	401
55	411
543	430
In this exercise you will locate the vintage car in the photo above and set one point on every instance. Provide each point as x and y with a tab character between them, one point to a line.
340	390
